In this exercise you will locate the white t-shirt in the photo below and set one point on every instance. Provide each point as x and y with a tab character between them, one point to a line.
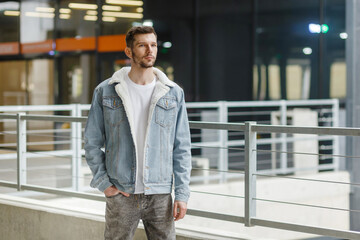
140	96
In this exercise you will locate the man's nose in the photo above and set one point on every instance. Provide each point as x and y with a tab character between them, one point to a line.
149	49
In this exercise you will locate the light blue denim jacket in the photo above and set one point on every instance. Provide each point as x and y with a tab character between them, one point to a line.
167	141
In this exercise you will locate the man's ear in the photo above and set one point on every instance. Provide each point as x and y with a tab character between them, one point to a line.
128	52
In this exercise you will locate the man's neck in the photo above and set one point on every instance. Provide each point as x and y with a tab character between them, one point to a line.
141	76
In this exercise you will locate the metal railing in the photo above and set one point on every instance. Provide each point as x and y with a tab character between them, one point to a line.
251	129
279	160
251	151
220	148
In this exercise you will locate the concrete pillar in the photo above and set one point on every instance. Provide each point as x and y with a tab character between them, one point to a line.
353	104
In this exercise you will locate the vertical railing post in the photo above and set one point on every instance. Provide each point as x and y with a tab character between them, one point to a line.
223	151
283	121
250	170
77	179
21	150
336	142
79	176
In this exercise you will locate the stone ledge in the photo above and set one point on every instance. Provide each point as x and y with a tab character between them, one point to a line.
24	218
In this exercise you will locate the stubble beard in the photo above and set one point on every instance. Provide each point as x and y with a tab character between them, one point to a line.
142	63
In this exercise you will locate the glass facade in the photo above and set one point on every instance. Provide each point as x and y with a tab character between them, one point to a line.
300	49
36	21
76	20
216	50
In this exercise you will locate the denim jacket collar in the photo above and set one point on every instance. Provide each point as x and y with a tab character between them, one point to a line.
120	75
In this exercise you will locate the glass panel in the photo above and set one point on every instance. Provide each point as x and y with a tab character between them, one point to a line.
334	53
77	77
31	82
285	44
77	19
40	81
13	92
9	21
206	46
37	21
117	18
225	49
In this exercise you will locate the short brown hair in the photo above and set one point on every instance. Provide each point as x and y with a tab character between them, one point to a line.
130	35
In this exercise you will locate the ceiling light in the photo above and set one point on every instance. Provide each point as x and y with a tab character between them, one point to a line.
148	23
125	2
343	35
90	18
45	9
307	50
314	28
64	16
65	10
111	8
123	14
12	13
40	14
139	10
167	44
83	6
109	19
91	12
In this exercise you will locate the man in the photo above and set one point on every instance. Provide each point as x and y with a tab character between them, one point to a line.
139	115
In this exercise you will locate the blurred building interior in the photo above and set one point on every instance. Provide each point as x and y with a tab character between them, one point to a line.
217	50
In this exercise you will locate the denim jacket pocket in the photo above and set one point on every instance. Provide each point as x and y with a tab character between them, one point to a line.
114	112
165	111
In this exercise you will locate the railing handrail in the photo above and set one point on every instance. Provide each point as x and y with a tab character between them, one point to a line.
272	103
28	108
342	131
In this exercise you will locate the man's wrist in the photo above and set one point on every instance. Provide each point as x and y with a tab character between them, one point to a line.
182	197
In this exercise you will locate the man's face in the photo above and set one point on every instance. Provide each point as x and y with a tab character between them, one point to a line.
144	50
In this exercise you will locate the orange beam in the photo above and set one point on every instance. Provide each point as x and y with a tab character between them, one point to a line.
75	44
111	43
